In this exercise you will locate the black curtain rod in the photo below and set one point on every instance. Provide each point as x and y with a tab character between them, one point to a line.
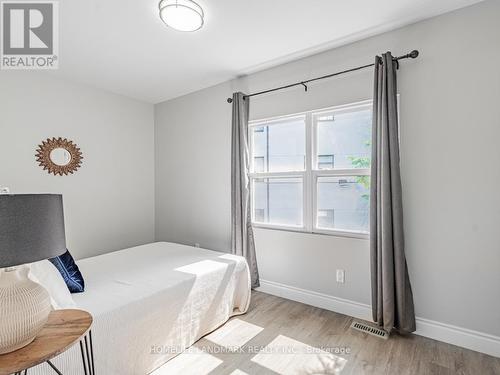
413	55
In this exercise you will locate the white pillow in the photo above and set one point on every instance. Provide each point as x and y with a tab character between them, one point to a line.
47	275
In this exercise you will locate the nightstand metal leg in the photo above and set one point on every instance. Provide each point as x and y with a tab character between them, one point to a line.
54	368
83	358
91	352
87	356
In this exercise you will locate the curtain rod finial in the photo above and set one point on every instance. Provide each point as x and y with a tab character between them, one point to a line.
229	100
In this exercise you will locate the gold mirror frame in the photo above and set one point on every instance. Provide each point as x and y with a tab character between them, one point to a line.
43	156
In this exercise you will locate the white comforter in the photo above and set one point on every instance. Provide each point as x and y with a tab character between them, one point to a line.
151	302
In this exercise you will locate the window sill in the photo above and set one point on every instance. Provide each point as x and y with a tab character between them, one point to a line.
332	233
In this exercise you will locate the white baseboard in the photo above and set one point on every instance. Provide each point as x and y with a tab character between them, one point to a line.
466	338
325	301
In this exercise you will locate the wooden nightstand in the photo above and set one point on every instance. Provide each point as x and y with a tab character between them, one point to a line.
63	329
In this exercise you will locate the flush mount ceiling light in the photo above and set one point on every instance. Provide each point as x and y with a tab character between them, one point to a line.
181	15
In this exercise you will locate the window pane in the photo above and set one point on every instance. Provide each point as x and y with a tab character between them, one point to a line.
280	146
344	139
343	203
278	201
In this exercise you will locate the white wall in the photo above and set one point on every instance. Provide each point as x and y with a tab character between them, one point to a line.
109	201
450	129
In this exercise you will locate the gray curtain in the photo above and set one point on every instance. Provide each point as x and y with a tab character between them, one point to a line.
242	240
392	298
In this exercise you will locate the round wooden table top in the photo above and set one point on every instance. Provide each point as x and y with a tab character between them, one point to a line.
62	330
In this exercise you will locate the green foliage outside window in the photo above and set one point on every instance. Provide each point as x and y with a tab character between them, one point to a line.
362	163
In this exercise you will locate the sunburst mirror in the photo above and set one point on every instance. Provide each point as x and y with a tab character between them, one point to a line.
59	156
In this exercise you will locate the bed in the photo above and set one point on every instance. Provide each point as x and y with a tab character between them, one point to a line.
151	302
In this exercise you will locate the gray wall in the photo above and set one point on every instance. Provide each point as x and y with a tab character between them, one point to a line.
450	129
109	202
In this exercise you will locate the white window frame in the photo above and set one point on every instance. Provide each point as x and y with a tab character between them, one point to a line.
310	175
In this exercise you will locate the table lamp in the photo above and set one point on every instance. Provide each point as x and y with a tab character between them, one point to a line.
31	229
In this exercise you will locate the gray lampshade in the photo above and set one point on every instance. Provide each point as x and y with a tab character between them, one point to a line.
31	228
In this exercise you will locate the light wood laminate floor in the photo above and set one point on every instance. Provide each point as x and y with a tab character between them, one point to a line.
279	336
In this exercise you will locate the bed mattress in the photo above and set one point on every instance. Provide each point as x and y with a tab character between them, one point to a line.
151	302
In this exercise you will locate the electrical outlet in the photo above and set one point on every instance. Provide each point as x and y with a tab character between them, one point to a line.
341	276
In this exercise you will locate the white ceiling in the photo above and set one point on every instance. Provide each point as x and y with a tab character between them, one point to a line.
122	45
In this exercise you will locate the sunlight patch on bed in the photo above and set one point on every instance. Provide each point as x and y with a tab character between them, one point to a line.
234	334
285	355
192	362
203	267
238	372
233	257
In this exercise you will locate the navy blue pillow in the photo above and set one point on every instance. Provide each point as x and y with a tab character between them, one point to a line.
69	271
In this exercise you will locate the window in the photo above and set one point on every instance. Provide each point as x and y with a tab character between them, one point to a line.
311	172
